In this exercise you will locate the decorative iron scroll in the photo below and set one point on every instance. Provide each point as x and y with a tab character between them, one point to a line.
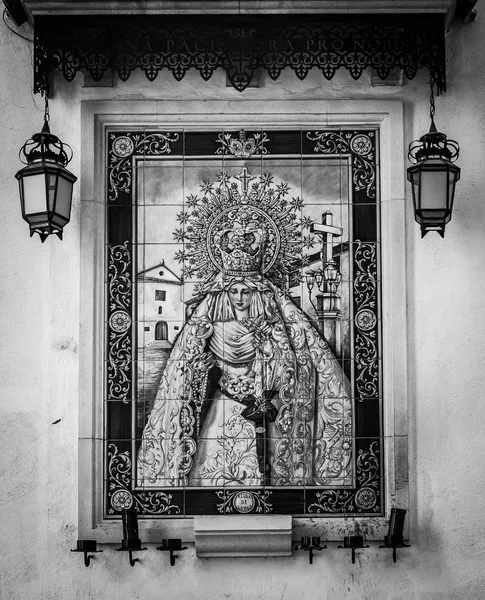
239	46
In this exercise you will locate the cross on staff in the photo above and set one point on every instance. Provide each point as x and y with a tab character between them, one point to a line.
327	231
245	178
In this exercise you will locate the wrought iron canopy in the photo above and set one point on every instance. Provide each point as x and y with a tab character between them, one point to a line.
239	44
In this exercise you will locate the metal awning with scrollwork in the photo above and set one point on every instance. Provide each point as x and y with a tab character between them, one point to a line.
239	44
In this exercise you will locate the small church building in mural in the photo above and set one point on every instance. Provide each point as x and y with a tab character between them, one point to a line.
161	304
161	314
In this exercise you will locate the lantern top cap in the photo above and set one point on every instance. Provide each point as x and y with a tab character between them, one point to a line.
45	146
433	144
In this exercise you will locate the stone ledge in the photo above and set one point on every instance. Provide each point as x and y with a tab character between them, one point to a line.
242	535
143	7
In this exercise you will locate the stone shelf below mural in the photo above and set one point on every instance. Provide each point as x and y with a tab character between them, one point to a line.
242	535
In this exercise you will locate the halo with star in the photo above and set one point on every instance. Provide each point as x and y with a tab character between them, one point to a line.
251	197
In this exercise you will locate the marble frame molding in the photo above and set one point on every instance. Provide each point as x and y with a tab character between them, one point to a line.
97	115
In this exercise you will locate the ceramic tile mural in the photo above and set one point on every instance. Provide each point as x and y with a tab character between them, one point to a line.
243	323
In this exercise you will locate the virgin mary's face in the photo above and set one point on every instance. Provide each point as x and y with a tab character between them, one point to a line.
240	296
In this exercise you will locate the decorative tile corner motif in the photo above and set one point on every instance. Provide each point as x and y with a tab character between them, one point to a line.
120	351
362	500
244	502
123	147
242	147
365	499
360	146
121	498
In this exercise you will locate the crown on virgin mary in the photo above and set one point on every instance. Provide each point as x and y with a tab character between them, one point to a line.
241	250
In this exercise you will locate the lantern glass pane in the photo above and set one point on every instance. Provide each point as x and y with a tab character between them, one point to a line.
451	187
64	195
34	194
51	184
415	179
434	187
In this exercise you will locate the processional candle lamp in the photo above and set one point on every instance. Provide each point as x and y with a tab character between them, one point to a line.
309	544
88	548
395	534
171	545
353	542
130	542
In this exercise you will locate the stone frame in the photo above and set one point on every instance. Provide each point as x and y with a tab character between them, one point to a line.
387	116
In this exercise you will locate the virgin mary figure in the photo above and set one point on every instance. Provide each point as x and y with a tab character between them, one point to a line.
251	394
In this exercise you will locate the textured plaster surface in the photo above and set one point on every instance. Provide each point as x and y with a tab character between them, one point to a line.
40	303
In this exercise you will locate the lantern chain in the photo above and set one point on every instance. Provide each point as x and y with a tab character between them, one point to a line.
432	108
46	109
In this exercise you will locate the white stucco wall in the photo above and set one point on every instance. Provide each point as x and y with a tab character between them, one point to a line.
40	302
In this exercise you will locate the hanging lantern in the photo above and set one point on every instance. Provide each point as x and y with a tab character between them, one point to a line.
45	184
433	177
